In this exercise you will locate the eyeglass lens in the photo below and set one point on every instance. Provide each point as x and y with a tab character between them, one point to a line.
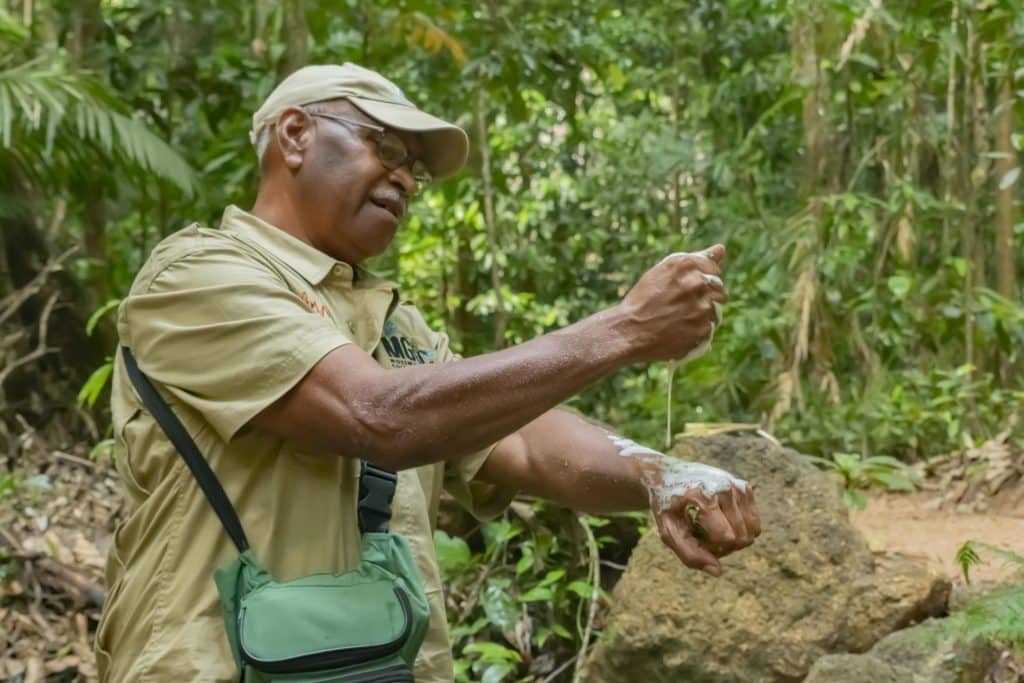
393	153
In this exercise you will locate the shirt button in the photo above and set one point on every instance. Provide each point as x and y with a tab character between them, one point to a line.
351	326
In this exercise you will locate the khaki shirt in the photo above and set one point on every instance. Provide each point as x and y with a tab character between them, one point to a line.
225	322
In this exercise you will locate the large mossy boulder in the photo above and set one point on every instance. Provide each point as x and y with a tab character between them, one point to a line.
808	587
913	655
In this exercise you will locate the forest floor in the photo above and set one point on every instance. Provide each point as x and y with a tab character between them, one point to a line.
58	510
909	525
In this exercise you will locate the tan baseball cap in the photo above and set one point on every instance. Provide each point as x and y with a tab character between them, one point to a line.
446	145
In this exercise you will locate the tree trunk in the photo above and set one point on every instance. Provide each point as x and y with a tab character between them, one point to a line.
464	322
500	312
261	10
86	29
1006	162
296	38
676	193
808	339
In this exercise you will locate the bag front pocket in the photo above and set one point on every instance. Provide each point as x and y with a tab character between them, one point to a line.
309	626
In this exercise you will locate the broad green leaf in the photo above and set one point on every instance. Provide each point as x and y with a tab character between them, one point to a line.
98	313
536	594
499	607
90	391
453	553
492	652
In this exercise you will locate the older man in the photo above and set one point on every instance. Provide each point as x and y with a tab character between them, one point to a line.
288	363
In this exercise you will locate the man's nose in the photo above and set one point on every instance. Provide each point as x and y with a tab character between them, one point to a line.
402	176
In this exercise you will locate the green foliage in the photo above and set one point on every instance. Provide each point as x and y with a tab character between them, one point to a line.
104	447
31	490
967	557
6	486
52	109
860	473
996	616
523	585
618	134
94	386
98	314
912	412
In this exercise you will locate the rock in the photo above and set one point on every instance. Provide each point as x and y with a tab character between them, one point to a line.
905	593
912	655
856	669
807	587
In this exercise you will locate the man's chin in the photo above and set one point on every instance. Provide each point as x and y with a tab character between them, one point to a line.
375	244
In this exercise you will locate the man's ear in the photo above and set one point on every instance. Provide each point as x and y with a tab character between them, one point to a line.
294	132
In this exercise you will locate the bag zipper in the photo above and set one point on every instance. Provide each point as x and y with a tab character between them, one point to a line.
329	659
395	674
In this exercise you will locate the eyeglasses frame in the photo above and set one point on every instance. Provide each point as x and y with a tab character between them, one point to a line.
421	174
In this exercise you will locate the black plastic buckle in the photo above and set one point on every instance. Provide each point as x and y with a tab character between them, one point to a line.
376	491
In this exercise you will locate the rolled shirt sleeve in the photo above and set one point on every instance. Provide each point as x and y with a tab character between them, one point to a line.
223	332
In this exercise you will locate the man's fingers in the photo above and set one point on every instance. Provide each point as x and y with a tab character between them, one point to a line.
732	509
680	539
698	260
720	535
750	512
713	280
716	253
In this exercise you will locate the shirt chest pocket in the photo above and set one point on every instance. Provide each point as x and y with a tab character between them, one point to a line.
400	348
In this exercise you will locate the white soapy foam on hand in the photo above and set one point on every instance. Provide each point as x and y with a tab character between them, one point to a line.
629	447
677	476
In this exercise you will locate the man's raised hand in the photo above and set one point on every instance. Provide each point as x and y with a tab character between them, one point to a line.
674	307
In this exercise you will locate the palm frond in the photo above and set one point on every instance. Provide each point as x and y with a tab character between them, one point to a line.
12	32
42	98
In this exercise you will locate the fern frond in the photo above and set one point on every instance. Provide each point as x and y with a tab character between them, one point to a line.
967	557
1004	553
995	617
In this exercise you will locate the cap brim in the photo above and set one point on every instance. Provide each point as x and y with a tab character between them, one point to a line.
446	146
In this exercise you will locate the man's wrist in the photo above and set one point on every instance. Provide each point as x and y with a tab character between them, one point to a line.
608	334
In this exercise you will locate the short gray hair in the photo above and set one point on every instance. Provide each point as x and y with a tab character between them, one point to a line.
262	141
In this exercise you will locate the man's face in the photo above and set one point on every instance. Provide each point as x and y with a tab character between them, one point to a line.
354	203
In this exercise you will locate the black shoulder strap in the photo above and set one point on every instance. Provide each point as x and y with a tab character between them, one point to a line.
376	491
179	436
376	486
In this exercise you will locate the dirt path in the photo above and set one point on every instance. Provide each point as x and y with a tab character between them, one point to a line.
903	524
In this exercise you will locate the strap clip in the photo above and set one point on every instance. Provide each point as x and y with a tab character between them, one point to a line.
376	491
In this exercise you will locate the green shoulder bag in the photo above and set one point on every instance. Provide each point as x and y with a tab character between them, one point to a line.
360	626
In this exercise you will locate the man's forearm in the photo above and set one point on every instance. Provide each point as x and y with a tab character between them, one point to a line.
412	416
417	415
466	405
563	458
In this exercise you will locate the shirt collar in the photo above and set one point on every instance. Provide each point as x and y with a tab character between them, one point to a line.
311	263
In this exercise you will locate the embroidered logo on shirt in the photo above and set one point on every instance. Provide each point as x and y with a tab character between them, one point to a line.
313	304
400	350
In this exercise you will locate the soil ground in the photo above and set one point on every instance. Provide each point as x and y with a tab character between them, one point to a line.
909	525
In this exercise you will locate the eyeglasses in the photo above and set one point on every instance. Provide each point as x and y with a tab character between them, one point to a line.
391	150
